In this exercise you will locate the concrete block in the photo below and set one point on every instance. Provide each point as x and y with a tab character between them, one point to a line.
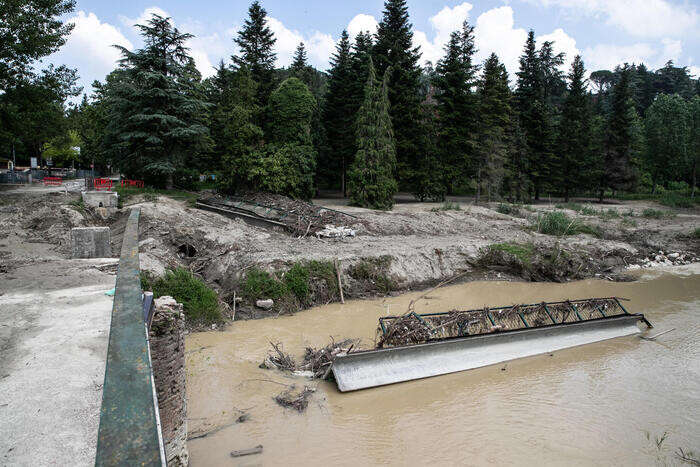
90	242
101	199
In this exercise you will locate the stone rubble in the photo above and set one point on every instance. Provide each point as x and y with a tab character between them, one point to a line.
670	259
331	231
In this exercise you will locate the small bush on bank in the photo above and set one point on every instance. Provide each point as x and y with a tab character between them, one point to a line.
559	224
651	213
200	302
570	205
374	270
447	206
675	199
260	284
509	209
523	252
297	282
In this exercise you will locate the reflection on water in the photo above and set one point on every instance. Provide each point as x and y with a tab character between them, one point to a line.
594	404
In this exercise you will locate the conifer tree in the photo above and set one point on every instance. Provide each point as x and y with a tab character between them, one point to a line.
359	69
156	118
256	41
620	143
494	122
339	115
371	179
457	107
575	135
300	67
394	51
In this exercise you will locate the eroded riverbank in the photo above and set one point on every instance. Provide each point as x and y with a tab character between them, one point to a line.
588	405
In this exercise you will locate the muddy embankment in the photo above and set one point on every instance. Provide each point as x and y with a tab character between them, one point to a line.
414	246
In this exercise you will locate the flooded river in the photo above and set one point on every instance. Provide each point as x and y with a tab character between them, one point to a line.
602	404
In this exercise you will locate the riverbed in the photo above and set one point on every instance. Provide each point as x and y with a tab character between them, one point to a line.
608	403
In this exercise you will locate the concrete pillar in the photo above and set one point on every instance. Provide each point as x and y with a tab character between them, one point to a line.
90	242
167	342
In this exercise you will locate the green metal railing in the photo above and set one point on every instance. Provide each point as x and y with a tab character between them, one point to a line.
129	432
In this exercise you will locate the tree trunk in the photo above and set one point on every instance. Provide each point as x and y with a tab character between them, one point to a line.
169	182
343	187
566	194
478	184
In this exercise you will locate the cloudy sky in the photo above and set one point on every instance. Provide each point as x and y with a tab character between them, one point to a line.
604	32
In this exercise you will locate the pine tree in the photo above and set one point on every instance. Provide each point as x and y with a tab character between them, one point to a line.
300	66
457	107
668	126
371	179
620	141
535	114
256	41
339	115
156	118
494	122
575	135
393	50
359	69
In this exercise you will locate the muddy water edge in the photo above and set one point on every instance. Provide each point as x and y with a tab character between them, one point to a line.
608	403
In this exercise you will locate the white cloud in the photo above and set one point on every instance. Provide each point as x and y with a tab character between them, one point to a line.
643	18
562	43
495	33
607	56
362	23
143	17
694	70
89	48
444	23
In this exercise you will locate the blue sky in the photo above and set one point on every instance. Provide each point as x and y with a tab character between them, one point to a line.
604	32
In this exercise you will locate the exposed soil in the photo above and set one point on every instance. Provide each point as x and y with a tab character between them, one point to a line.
408	248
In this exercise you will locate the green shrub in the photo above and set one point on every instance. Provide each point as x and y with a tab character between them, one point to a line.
651	213
696	233
297	281
588	211
573	206
260	284
627	222
675	199
521	251
558	223
609	214
200	302
509	209
447	206
374	270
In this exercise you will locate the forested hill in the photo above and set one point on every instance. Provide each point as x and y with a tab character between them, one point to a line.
378	121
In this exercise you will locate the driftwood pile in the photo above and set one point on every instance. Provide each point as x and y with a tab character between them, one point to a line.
292	399
412	328
316	363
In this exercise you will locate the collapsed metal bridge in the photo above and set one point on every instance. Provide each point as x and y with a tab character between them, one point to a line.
416	346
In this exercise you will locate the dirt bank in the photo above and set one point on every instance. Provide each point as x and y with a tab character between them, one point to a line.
411	247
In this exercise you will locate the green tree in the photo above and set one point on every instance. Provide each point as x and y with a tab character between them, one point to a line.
494	122
300	66
457	108
256	42
668	125
694	141
339	116
61	150
371	179
394	51
575	135
29	30
620	142
156	118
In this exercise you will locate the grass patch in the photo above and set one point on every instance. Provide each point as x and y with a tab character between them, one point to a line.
447	206
588	211
573	206
509	209
677	200
609	214
522	251
260	285
296	279
78	204
557	223
651	213
374	270
627	222
200	302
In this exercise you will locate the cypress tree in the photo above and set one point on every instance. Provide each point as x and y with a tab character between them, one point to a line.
494	121
575	134
620	139
371	178
393	50
457	107
157	118
338	113
256	41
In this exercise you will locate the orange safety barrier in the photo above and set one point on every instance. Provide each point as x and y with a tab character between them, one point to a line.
134	183
103	184
54	181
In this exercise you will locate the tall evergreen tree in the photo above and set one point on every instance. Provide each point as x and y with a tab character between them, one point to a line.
371	179
575	136
393	50
256	41
457	107
339	115
300	66
494	122
620	138
668	126
156	118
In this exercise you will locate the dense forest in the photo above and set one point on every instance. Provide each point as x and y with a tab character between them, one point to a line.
377	122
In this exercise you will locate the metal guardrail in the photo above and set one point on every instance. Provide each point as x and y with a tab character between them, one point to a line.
129	432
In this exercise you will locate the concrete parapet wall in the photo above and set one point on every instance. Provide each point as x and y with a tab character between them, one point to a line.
90	242
167	341
101	199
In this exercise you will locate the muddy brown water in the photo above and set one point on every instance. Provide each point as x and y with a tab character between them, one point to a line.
602	404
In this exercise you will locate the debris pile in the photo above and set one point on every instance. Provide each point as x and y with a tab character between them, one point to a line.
292	399
412	328
316	363
331	231
669	259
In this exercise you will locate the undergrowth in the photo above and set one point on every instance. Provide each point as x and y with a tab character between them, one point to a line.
447	206
559	224
509	209
200	302
522	251
374	271
651	213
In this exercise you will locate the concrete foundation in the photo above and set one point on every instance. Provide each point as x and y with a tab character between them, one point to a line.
101	199
167	342
90	242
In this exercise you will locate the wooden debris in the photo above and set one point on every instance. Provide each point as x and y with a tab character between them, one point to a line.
247	452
